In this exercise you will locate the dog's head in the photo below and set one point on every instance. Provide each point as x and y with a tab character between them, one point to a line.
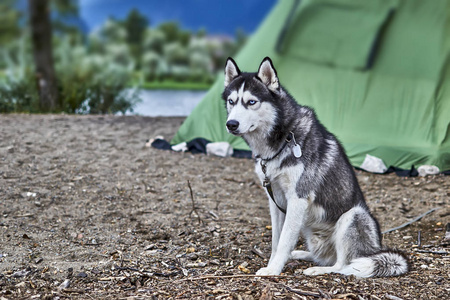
248	98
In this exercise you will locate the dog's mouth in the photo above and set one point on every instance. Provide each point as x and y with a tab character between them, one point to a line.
238	132
235	132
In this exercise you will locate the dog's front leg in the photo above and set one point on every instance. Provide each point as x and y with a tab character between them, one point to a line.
287	238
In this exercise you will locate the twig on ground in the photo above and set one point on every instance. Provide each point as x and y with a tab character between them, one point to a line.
432	252
412	221
235	276
234	180
304	293
72	291
24	216
194	208
323	294
392	297
215	216
258	252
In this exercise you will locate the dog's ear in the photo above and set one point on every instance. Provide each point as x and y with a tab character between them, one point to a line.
231	71
268	75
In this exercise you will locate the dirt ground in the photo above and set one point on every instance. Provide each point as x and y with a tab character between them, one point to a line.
88	212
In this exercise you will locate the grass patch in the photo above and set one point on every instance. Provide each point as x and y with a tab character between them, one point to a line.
174	85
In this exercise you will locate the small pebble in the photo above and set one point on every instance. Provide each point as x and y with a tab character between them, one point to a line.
64	285
82	275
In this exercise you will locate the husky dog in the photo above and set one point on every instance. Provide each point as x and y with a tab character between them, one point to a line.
312	188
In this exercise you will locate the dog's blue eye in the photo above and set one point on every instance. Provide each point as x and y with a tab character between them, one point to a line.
252	102
230	101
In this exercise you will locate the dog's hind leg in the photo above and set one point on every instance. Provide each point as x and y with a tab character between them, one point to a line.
356	232
342	245
302	255
322	270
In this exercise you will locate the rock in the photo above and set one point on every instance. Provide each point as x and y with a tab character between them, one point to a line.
64	285
192	256
447	232
21	273
190	250
432	187
196	265
243	269
82	275
427	170
392	297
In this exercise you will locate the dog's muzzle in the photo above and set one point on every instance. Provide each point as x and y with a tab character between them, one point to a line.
232	126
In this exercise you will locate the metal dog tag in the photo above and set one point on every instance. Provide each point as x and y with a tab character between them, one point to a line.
297	151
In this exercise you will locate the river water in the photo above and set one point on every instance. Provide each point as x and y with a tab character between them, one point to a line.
166	103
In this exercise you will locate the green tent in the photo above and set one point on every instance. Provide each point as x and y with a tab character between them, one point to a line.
376	72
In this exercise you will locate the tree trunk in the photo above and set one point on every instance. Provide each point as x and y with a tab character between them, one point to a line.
41	36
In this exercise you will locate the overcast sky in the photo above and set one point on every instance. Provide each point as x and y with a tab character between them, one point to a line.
216	16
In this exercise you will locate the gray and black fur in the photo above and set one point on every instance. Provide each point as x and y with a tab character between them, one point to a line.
319	190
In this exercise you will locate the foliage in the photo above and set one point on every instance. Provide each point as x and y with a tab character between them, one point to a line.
135	24
95	84
65	7
63	11
155	67
174	85
96	71
10	18
154	40
111	32
19	96
18	92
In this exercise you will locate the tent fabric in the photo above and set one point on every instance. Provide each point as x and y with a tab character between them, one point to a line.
377	73
355	31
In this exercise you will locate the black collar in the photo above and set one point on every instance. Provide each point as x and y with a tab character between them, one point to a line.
286	141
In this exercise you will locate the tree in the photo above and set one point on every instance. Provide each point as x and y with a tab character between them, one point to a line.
201	33
171	31
41	37
66	19
135	25
10	28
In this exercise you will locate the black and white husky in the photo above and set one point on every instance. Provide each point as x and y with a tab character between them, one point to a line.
312	188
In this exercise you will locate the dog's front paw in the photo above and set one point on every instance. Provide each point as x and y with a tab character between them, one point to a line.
267	271
314	271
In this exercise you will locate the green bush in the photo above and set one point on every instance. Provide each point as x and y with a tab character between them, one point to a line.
20	96
78	97
91	84
18	86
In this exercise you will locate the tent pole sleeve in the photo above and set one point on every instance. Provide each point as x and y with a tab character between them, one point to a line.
286	25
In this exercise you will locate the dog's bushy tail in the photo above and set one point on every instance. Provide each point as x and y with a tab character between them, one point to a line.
383	264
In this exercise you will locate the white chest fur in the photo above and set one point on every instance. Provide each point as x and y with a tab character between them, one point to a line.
284	177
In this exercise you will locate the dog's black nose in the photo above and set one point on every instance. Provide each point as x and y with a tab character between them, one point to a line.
232	125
